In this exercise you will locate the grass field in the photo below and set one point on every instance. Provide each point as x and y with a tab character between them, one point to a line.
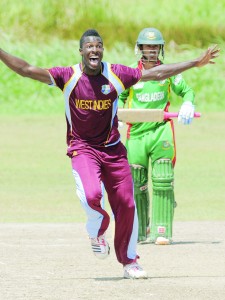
47	33
117	20
37	184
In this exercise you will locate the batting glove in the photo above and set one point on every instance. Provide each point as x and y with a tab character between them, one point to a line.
186	113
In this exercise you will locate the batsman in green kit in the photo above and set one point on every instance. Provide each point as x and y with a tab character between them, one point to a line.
151	146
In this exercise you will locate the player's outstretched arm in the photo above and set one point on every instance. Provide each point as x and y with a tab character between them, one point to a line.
23	68
167	70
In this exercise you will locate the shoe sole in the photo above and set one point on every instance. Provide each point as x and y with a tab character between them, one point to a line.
162	242
130	277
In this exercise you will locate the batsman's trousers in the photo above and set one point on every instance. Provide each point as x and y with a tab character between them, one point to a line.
109	165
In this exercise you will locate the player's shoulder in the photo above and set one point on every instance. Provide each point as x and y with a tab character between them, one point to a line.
63	73
63	69
177	79
123	68
127	75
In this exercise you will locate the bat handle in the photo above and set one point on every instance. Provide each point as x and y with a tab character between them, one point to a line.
168	115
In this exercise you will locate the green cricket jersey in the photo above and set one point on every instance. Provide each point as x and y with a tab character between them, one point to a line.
153	95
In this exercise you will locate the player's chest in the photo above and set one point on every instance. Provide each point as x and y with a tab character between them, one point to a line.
151	86
98	88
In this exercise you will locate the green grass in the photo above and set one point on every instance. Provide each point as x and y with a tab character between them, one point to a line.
199	180
46	33
196	22
36	178
37	183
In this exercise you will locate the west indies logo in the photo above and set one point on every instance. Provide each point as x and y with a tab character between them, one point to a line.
105	89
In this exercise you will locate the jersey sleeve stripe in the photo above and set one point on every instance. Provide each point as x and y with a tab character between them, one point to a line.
115	81
69	86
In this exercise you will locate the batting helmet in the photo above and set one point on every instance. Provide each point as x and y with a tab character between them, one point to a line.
150	36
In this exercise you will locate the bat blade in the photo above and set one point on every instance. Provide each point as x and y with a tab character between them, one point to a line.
131	115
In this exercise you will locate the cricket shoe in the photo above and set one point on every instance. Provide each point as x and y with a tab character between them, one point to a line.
134	271
100	247
162	241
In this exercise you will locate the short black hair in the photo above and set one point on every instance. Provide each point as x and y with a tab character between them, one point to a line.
89	32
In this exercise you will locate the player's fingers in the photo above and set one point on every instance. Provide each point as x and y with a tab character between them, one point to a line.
213	48
215	54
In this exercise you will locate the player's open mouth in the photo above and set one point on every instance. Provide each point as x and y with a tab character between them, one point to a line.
94	61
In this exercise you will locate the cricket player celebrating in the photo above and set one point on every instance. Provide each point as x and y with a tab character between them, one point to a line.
154	141
91	88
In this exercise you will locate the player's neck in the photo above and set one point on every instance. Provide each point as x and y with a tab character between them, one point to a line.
149	65
90	71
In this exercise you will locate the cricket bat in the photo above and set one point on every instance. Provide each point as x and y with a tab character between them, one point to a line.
132	115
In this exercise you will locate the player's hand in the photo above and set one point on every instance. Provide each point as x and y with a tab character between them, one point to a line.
208	56
186	113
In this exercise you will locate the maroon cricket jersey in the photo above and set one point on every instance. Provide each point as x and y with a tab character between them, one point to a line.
91	102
